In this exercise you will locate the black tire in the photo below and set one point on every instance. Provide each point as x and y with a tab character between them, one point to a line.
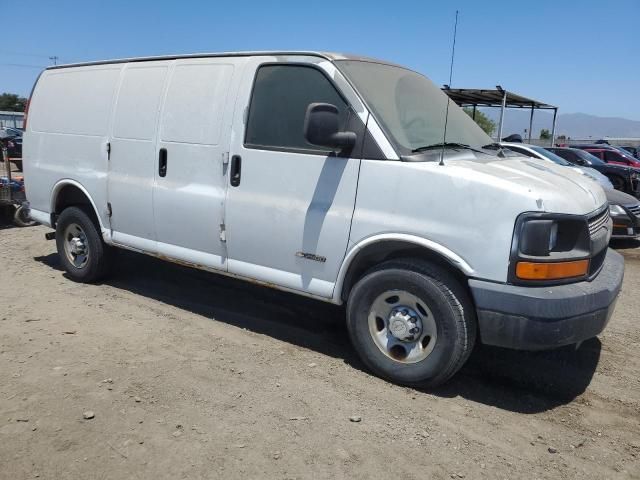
452	310
97	262
617	182
21	219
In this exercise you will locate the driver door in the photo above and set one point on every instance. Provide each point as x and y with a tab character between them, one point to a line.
289	204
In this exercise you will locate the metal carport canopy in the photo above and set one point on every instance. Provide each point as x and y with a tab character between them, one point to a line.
498	97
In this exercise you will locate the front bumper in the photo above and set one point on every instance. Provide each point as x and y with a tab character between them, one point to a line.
537	318
626	226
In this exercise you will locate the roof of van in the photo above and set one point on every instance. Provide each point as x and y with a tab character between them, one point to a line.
331	56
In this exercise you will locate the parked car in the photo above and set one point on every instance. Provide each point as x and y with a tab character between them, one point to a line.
622	177
610	154
547	155
324	175
625	212
635	151
14	145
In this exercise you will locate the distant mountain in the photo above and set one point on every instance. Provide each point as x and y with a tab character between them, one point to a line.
573	125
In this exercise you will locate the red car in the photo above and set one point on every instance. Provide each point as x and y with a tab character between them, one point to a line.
610	155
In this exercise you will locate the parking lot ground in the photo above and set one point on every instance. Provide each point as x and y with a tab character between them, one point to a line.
190	375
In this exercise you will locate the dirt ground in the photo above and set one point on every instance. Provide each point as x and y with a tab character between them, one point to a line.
191	375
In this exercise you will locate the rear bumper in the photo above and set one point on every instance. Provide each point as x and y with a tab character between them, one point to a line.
536	318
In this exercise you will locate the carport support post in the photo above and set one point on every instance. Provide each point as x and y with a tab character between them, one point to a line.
553	128
7	164
530	123
504	105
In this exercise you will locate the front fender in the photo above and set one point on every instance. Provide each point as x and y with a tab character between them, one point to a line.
353	251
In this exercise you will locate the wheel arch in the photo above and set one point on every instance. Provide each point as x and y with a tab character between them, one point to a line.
67	193
380	248
617	176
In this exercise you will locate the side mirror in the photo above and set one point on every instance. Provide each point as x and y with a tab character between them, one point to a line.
321	127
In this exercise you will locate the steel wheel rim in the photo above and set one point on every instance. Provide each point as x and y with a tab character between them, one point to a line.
392	317
76	247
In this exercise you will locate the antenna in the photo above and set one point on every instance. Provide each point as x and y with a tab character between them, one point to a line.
446	115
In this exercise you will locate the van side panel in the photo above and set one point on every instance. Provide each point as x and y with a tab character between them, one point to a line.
133	153
67	133
195	127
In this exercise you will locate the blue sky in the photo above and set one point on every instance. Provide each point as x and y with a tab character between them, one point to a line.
583	56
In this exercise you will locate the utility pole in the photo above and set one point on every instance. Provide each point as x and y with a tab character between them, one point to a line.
54	59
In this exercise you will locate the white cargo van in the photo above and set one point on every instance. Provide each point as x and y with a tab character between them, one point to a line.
324	175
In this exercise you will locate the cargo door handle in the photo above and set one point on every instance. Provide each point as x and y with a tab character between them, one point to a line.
162	162
236	167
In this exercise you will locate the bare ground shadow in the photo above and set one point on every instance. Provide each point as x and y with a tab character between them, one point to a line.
525	382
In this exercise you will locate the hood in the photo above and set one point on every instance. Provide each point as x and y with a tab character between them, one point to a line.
603	180
616	197
549	187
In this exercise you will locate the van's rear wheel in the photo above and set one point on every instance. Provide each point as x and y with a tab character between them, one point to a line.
82	251
411	322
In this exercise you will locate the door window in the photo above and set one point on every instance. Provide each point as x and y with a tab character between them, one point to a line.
570	156
281	95
614	157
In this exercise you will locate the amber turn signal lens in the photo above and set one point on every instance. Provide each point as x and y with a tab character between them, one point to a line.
551	271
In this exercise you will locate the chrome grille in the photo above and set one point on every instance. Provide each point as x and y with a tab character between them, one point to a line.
598	221
635	209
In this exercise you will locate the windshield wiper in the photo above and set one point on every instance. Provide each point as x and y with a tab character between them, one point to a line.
442	145
495	146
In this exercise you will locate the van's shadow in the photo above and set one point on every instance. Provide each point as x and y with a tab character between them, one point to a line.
526	382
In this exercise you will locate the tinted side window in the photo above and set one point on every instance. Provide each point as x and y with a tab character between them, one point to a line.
569	156
613	157
281	95
596	154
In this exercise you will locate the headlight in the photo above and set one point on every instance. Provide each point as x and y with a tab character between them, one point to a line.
550	248
617	211
538	237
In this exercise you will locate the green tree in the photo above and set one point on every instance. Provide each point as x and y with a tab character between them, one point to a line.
12	102
484	122
545	134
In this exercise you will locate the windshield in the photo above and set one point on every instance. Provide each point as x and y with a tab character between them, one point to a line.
410	108
551	156
591	159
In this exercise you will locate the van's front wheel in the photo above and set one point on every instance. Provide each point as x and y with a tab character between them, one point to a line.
411	322
82	251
